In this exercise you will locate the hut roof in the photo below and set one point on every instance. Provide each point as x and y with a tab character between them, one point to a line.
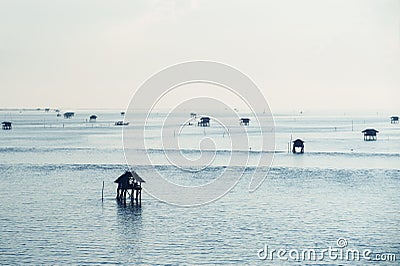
370	130
298	141
137	177
245	119
6	123
128	174
69	114
93	116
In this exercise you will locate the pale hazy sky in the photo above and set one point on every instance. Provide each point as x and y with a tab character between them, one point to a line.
302	54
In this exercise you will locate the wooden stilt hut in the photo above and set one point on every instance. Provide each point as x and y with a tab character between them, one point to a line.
129	182
92	118
69	115
298	143
6	125
370	134
204	122
244	121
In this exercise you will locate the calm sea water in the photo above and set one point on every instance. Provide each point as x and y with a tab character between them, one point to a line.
51	212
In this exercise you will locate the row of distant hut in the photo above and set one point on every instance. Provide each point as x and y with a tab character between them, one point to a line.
93	118
7	125
204	121
370	134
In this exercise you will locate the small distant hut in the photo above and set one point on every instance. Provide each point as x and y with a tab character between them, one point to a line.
6	125
46	110
122	113
394	120
370	134
204	122
298	143
121	123
129	181
193	115
244	121
92	118
68	115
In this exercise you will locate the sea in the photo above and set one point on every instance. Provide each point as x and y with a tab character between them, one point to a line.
336	204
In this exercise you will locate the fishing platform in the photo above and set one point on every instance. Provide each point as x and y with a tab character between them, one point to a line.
129	183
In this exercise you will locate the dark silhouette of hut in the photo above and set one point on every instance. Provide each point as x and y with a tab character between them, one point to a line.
46	110
6	125
370	134
244	121
129	181
298	143
394	120
204	122
193	115
122	113
92	118
121	123
68	115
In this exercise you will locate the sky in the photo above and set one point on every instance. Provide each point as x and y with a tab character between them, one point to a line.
311	54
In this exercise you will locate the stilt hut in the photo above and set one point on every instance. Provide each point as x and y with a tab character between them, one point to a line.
68	115
204	122
121	123
129	182
370	134
394	120
92	118
298	143
244	121
6	125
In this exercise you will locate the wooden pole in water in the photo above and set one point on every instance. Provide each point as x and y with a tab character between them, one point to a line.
102	192
140	197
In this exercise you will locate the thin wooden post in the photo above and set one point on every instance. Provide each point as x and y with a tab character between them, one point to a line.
102	192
